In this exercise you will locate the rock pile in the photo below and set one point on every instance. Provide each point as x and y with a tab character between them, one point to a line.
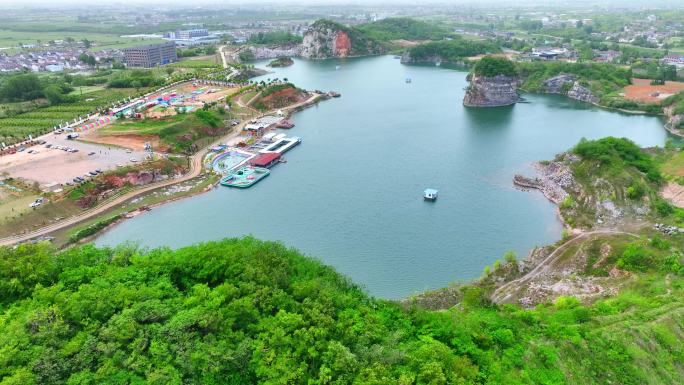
669	230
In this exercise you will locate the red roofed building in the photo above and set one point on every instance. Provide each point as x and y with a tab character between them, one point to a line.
267	159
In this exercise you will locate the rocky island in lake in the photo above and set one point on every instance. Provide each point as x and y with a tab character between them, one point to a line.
493	83
281	62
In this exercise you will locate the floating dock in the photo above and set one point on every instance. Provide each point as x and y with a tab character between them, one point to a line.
282	145
245	177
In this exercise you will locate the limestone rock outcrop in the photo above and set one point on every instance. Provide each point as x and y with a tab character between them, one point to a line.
326	39
491	91
567	84
581	93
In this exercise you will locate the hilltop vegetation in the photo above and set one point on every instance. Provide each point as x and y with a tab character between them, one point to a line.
242	311
395	28
614	181
278	95
451	50
490	66
274	37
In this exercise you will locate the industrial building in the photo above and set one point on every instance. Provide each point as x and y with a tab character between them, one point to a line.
187	34
151	55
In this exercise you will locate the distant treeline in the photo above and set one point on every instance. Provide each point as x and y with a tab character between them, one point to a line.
404	28
275	37
452	50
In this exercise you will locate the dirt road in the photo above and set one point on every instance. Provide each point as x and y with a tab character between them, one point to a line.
506	291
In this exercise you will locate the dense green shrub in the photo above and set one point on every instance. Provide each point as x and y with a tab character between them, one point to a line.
490	66
635	258
455	50
93	229
241	311
274	37
618	152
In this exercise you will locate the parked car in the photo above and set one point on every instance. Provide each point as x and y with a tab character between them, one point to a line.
91	153
36	203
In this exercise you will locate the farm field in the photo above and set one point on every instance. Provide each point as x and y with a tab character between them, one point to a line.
42	120
198	62
641	90
12	38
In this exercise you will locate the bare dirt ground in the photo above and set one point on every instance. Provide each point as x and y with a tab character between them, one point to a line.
508	55
52	165
407	43
641	90
130	141
674	192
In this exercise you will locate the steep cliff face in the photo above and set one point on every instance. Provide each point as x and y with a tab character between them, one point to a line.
581	93
568	85
327	39
491	91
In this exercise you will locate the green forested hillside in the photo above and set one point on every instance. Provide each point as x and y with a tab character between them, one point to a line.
451	50
242	311
394	28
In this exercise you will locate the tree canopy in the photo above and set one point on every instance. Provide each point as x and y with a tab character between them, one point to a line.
242	311
490	66
452	50
394	28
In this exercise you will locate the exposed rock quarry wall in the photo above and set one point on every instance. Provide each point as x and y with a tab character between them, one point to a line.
272	52
491	91
568	85
582	94
324	41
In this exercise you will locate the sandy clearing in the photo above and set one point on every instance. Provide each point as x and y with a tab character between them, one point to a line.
641	90
130	141
674	193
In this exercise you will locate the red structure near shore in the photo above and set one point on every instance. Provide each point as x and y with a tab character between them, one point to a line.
265	160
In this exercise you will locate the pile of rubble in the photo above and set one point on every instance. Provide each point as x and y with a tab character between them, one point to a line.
669	230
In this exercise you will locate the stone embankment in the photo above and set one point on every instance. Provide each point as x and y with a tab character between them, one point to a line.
494	91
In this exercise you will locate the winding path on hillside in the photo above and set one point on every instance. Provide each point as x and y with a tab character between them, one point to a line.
506	291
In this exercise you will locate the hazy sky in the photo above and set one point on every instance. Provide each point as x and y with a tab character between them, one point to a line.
224	3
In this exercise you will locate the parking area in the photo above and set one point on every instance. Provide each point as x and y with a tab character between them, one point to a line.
60	160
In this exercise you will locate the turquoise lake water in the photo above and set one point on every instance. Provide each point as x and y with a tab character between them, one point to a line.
351	193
